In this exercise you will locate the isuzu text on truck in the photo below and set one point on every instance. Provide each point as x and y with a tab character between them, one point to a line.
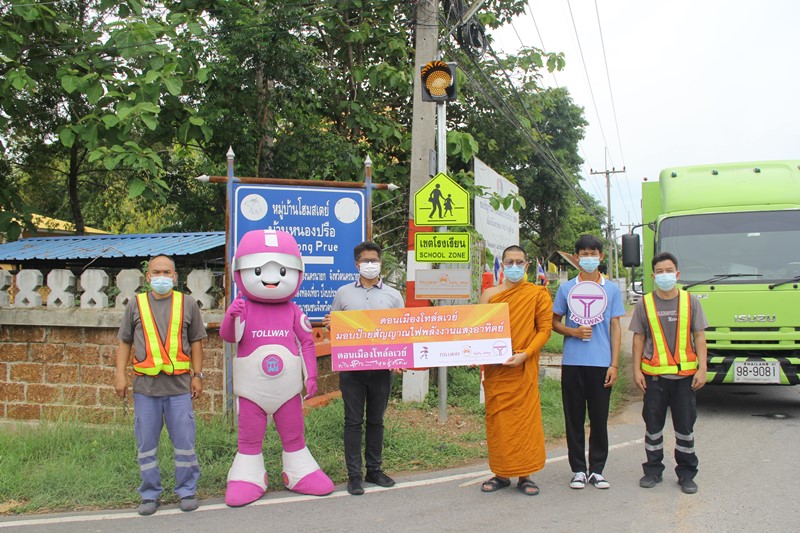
735	230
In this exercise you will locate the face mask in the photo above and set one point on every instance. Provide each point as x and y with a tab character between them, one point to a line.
666	282
514	273
589	264
161	284
370	270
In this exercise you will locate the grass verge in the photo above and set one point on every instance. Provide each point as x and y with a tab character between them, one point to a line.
68	464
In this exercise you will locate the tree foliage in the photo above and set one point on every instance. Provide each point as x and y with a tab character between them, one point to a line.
110	108
96	90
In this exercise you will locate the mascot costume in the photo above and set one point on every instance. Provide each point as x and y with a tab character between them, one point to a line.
275	351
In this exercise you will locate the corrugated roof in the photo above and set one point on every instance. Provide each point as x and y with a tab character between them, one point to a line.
109	246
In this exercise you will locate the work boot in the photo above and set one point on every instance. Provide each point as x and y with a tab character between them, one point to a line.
649	481
189	503
688	486
148	507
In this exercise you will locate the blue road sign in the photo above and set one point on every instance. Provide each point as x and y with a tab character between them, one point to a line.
326	222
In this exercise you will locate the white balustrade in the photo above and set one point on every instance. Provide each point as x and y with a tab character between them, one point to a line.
128	282
94	284
5	284
29	282
94	287
199	283
61	283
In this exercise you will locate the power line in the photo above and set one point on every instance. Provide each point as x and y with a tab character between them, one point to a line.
555	80
512	116
594	101
611	94
586	71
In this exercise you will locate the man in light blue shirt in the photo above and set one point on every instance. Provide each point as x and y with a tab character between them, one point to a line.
590	360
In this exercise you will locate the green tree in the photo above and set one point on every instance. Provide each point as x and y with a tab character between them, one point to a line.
530	135
91	87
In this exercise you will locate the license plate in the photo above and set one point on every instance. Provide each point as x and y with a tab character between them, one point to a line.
756	372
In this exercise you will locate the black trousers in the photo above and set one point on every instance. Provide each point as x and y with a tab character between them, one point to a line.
370	389
677	394
581	390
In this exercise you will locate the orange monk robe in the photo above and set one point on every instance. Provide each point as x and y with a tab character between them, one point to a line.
514	432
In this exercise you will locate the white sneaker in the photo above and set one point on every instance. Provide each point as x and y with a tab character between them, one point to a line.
599	481
578	480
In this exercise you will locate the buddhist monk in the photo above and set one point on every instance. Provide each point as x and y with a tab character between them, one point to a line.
514	433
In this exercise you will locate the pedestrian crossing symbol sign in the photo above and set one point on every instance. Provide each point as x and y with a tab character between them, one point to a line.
441	202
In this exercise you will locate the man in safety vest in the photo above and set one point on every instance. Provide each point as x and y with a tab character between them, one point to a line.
669	365
167	331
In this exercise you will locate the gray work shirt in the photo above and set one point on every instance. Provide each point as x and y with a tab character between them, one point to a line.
667	311
130	332
356	297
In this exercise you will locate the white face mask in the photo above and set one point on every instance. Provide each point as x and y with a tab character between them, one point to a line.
161	284
369	270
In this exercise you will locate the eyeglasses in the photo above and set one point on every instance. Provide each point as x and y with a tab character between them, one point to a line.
518	262
369	261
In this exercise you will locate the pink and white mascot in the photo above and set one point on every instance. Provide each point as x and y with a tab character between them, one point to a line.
268	371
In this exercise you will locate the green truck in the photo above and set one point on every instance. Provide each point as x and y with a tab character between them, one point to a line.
735	229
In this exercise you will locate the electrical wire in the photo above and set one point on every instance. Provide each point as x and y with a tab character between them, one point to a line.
611	94
512	115
555	80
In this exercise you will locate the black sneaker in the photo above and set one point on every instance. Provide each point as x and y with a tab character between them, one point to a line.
354	486
688	486
379	478
649	481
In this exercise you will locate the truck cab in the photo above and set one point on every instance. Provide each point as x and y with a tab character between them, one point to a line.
735	230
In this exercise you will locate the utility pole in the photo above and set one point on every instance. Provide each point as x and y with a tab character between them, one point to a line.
609	234
423	136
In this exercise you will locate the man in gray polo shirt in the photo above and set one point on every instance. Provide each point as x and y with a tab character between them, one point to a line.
368	388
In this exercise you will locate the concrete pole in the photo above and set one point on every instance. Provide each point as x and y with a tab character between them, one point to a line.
423	128
609	235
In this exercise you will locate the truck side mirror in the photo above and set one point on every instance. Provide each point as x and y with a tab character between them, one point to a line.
630	250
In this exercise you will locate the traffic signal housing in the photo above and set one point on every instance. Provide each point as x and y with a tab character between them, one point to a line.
438	81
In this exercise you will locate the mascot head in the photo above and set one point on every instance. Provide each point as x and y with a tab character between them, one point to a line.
268	266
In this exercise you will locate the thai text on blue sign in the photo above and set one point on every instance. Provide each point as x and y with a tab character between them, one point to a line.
326	222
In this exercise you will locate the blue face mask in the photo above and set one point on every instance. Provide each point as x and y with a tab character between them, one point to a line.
161	284
666	281
589	264
514	273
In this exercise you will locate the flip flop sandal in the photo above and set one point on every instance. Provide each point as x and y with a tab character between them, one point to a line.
528	487
494	483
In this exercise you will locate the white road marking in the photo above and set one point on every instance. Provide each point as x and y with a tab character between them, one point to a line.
482	475
475	478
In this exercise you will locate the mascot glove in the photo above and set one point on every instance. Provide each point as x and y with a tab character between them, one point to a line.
311	388
237	306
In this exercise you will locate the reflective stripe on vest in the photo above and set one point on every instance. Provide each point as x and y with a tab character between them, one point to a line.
169	358
684	362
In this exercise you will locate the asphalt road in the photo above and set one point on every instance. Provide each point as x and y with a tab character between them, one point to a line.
746	440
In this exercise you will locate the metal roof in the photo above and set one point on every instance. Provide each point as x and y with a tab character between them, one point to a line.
110	246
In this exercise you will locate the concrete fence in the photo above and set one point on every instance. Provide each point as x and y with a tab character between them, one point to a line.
58	352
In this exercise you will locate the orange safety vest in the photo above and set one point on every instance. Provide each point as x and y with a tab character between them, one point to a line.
168	358
684	361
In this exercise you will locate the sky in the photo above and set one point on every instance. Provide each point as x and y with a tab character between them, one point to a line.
692	82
